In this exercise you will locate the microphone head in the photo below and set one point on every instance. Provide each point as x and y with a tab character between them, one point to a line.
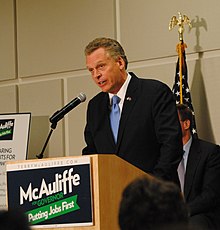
82	97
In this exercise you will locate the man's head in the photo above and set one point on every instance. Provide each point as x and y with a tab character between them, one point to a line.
112	46
151	204
14	219
185	118
107	63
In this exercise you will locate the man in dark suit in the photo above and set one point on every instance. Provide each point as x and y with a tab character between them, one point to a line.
202	175
149	134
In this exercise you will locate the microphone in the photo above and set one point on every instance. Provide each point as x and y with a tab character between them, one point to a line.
71	105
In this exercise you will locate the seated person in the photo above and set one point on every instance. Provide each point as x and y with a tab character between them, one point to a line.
152	204
202	172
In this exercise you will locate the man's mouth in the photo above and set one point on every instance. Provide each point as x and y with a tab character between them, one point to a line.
102	83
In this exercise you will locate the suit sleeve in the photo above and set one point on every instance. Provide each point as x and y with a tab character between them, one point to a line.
168	132
208	189
90	146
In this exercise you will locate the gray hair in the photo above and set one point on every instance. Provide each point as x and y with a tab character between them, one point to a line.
112	46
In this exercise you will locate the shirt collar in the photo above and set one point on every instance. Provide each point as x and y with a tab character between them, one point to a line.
121	93
186	147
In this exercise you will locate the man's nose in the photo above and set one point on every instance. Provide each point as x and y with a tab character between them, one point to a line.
97	74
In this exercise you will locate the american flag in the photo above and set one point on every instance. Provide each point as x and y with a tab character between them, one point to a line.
186	97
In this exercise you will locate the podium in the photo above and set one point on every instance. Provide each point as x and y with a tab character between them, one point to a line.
109	176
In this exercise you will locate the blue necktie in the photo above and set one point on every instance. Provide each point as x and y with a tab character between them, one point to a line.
115	116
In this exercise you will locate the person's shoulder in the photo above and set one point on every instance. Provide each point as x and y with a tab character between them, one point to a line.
150	82
98	98
204	144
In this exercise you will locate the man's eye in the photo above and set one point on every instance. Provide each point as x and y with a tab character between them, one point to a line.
101	66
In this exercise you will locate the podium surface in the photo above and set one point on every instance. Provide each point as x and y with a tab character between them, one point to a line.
109	176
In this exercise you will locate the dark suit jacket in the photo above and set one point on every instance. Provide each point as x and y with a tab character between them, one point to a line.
202	180
149	134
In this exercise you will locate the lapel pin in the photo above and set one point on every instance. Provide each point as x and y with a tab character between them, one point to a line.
128	98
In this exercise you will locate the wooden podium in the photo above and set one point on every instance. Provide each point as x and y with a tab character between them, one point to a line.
110	175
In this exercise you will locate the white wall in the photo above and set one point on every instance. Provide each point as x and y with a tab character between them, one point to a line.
42	64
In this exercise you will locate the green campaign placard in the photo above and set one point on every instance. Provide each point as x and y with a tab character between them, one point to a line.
52	192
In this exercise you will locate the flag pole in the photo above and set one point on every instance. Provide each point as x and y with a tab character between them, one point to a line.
180	49
181	45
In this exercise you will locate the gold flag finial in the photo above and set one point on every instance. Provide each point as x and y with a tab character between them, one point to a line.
180	22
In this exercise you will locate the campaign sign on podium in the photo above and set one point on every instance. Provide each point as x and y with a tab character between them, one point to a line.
53	192
14	135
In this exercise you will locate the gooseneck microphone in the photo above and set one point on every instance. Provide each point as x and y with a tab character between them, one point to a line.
71	105
59	115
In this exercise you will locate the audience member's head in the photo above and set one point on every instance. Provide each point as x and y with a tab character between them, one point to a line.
152	204
186	120
185	113
13	220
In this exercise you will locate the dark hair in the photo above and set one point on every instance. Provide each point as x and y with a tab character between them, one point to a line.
112	46
185	113
152	204
13	220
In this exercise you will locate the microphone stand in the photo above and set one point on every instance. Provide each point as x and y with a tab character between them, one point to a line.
53	126
58	115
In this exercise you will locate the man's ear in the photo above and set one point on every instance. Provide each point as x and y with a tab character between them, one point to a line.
187	124
121	63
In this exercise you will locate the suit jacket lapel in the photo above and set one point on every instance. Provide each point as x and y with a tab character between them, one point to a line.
192	163
129	101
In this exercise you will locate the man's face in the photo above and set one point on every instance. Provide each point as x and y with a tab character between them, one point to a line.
106	72
185	126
